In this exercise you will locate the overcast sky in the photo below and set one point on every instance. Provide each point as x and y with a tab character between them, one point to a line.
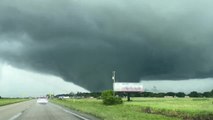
20	83
82	42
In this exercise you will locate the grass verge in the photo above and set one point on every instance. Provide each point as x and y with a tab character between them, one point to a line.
115	112
7	101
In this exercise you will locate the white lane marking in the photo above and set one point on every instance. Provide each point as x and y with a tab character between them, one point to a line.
75	114
16	116
67	111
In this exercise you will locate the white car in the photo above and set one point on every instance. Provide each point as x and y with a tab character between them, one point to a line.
42	100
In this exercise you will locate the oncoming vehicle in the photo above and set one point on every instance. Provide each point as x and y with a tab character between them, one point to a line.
42	100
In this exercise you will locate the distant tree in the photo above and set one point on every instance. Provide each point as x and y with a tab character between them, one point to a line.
71	94
194	94
137	94
159	94
170	94
180	94
207	94
0	97
147	94
212	93
95	94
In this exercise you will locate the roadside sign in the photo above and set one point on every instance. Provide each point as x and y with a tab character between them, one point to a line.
127	87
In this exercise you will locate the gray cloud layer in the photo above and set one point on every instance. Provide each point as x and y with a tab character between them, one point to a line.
84	41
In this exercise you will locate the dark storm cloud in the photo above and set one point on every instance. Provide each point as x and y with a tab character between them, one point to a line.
84	41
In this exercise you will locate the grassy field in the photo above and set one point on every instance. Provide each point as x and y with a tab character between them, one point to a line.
145	108
10	101
186	108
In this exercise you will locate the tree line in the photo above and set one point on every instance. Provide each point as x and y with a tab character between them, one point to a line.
142	94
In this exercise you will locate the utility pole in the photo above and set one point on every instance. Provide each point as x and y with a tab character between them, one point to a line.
113	78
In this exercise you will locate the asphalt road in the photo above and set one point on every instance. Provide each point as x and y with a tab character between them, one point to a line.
31	110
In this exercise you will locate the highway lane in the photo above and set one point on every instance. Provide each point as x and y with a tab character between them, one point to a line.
8	111
31	110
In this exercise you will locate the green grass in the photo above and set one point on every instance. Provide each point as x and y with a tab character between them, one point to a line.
193	108
10	101
115	112
146	108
